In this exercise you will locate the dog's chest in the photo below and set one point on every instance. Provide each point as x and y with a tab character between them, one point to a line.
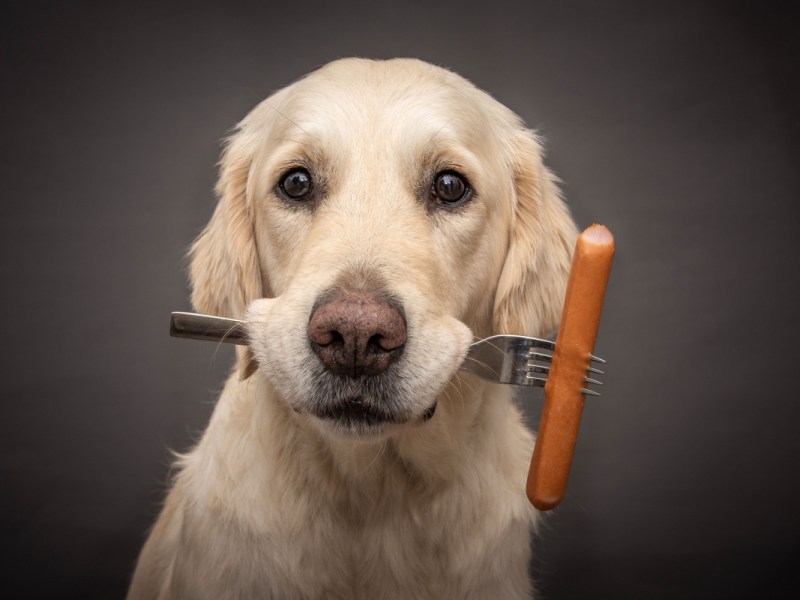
291	523
399	546
384	554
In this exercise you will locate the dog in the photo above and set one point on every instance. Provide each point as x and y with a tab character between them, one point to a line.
374	219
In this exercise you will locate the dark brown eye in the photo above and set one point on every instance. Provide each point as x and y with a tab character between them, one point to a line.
296	184
450	188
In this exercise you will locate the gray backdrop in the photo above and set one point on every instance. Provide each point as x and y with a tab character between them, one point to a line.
674	124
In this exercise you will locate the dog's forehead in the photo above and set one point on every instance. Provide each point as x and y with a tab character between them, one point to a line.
404	102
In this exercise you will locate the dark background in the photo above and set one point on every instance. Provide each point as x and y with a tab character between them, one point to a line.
673	123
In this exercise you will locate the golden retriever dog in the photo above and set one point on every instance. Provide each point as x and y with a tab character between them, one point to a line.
374	219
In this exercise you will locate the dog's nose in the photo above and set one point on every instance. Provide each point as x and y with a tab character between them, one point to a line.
357	332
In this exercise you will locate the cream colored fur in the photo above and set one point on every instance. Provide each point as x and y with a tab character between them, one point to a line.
276	503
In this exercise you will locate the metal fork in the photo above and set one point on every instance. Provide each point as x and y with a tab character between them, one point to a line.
511	359
514	359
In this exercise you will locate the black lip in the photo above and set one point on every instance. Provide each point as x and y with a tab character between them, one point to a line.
428	414
355	413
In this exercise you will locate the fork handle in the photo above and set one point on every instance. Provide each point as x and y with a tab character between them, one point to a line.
563	404
195	326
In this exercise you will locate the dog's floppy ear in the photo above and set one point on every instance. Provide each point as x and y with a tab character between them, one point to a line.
530	292
224	273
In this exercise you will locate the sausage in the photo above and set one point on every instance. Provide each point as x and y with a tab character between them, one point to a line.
563	405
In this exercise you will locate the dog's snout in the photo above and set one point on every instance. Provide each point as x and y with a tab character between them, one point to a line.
357	332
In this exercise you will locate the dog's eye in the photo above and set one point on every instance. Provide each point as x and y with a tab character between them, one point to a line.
296	184
450	188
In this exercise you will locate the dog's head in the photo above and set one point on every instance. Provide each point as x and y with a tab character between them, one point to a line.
374	217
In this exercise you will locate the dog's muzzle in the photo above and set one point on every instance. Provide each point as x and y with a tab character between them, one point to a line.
357	336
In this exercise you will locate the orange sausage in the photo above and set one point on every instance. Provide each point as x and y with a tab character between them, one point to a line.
563	405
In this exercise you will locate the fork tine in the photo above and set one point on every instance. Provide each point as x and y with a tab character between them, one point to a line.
539	356
537	381
589	392
534	368
548	345
596	371
539	343
589	380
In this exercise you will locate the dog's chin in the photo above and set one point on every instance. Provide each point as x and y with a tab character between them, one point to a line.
354	418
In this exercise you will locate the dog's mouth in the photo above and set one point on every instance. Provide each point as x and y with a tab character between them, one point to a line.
357	416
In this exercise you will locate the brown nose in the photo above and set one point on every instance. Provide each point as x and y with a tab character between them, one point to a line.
357	332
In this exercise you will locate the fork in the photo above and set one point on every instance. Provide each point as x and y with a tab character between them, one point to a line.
511	359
